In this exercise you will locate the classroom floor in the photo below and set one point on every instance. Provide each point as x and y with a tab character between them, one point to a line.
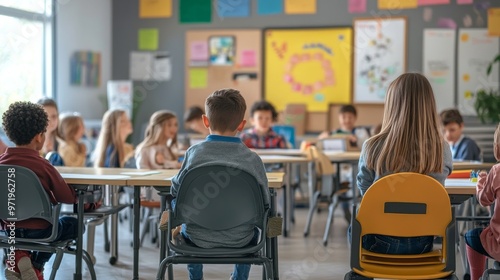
299	257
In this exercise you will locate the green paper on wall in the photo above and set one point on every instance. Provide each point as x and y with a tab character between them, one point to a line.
148	39
198	78
195	11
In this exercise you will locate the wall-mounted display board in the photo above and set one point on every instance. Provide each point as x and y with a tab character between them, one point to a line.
476	49
310	66
217	59
379	56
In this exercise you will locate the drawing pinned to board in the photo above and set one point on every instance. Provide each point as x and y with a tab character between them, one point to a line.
145	66
308	65
379	57
198	53
221	50
475	51
85	69
120	96
248	58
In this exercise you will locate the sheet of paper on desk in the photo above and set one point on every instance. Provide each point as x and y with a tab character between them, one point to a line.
93	176
459	183
141	173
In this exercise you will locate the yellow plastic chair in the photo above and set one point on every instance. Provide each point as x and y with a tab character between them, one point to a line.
404	205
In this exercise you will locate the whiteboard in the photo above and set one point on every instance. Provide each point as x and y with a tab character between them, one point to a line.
379	57
475	51
439	65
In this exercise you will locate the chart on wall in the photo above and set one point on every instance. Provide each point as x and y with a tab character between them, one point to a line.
310	66
379	56
475	51
439	65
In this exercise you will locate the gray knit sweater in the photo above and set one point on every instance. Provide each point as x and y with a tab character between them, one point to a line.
226	151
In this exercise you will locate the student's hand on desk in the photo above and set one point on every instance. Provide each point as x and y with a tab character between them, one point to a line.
324	135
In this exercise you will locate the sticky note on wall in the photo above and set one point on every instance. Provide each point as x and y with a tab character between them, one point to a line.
155	8
148	39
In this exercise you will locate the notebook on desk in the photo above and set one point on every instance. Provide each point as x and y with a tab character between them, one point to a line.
338	143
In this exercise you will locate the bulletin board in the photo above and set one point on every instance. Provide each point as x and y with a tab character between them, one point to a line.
217	59
379	56
312	66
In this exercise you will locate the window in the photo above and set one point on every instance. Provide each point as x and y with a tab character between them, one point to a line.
25	50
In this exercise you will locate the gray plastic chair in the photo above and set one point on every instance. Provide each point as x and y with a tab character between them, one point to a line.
32	202
237	201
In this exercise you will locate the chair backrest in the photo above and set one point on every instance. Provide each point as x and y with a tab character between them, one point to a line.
28	199
405	205
287	131
219	198
324	166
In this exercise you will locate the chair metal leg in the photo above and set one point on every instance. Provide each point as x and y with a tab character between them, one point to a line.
145	225
268	268
312	209
57	263
90	264
329	221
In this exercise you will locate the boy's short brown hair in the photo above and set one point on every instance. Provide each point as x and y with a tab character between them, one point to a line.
451	116
225	109
348	109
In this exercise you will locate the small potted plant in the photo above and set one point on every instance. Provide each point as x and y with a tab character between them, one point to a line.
487	103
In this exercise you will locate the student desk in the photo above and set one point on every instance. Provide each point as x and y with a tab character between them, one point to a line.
77	177
287	161
162	182
476	165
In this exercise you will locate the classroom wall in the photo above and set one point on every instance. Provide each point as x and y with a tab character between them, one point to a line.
170	95
82	25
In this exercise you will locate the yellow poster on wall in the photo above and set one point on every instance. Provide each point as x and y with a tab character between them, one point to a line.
308	65
155	8
397	4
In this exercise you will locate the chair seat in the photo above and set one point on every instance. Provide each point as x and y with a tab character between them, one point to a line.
433	257
192	250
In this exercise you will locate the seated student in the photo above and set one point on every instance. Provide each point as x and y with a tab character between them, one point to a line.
192	120
462	147
347	120
225	111
71	130
483	242
262	135
155	151
25	124
50	107
405	144
3	147
111	149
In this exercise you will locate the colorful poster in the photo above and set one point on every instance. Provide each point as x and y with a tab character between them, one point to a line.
494	21
300	6
248	58
379	57
198	78
231	8
221	50
433	2
155	8
309	66
397	4
269	7
148	39
85	69
475	51
357	6
439	65
463	2
195	11
120	94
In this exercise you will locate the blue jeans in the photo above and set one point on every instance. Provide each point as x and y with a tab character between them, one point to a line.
472	239
241	271
67	230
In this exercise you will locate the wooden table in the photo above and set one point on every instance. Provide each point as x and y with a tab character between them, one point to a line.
280	152
162	182
464	165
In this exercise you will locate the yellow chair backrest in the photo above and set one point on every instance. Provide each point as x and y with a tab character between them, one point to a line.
386	206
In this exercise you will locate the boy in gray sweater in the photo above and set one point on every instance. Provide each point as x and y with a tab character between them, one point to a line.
225	111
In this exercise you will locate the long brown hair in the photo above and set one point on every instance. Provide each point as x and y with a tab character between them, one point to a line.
110	135
154	131
410	139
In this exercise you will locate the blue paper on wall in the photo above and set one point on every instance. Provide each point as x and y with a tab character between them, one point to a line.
233	8
269	7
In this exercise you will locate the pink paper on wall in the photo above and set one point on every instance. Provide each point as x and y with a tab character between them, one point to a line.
248	58
357	6
433	2
463	2
199	51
